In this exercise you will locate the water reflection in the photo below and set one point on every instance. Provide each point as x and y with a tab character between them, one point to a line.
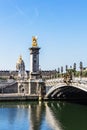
36	116
71	116
42	116
28	116
51	120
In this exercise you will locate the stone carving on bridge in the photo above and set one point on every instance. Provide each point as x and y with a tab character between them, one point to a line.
67	78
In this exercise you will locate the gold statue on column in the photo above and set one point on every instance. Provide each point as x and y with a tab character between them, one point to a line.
34	41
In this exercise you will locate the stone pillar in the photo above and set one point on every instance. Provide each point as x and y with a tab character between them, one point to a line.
18	87
34	59
29	92
35	81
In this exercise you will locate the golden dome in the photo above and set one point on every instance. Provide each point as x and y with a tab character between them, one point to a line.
34	41
20	63
19	60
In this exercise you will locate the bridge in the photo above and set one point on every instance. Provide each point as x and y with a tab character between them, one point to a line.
58	89
55	88
8	86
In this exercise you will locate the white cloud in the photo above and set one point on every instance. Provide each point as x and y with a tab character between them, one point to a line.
19	10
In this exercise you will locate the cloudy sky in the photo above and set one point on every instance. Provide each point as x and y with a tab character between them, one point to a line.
60	25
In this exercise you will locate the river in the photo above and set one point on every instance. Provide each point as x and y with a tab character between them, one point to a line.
42	116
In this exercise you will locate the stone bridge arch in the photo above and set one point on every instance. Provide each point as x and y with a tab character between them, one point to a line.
64	91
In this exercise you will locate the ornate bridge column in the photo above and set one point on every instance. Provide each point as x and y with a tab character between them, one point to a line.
35	80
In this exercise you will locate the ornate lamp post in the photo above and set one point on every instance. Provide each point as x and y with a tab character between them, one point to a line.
58	72
61	71
74	68
81	68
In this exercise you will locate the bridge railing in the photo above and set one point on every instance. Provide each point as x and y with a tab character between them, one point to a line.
55	82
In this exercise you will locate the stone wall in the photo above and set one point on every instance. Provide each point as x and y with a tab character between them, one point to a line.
10	89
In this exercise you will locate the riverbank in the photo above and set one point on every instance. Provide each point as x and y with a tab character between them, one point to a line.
17	97
25	97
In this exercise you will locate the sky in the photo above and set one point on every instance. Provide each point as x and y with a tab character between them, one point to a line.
60	25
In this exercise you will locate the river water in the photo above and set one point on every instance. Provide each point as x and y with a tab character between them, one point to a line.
42	116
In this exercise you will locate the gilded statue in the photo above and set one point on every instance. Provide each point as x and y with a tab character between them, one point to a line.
34	41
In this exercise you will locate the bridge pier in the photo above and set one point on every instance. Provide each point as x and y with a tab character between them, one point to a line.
36	83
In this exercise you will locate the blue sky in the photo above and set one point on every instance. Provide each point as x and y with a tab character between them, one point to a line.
60	25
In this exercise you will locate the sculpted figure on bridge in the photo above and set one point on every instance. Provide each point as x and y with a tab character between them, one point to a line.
34	41
67	78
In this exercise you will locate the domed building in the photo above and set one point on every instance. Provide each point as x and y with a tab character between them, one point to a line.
20	66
